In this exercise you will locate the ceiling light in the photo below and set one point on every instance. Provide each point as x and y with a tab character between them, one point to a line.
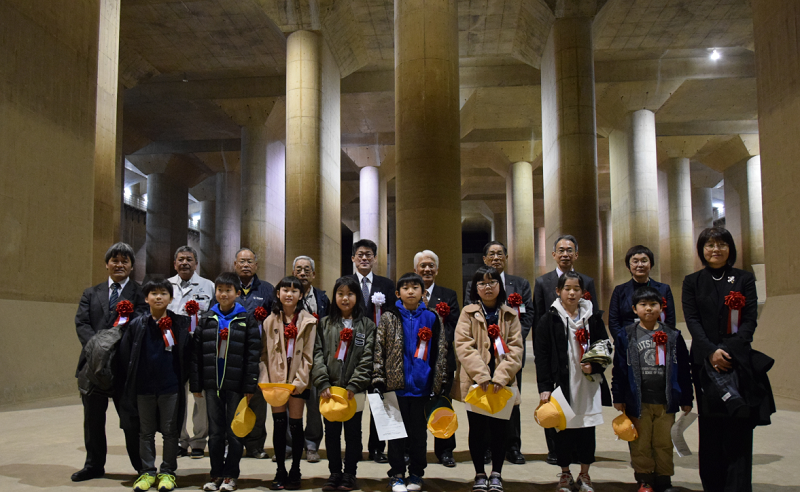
715	55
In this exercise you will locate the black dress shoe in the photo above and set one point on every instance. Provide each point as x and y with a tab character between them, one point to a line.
515	457
487	457
447	459
378	457
87	474
551	459
182	451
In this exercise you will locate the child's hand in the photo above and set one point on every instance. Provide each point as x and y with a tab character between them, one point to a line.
350	395
620	407
497	387
198	395
326	394
586	368
484	386
544	396
686	408
248	396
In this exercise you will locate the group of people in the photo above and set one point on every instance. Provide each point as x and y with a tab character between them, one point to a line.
228	340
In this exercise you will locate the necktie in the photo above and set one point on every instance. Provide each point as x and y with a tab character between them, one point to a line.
365	291
427	299
112	299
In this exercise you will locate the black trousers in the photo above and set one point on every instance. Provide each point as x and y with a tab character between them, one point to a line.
412	408
575	442
221	410
487	433
514	435
94	433
726	454
352	442
444	445
254	441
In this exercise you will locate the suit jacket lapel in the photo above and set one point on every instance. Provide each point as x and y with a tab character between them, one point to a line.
435	298
510	286
103	292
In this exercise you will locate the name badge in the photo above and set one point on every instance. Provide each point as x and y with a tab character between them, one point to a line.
522	309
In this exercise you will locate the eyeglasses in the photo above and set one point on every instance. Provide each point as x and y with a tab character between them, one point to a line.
367	256
487	285
495	255
245	261
719	246
303	269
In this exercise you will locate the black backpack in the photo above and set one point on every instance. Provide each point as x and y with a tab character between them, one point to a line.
96	375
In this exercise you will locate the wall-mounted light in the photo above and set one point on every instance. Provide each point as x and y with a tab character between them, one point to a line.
715	55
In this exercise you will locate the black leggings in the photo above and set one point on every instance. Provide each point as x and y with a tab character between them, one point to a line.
279	442
487	433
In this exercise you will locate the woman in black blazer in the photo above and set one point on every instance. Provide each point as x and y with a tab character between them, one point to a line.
720	308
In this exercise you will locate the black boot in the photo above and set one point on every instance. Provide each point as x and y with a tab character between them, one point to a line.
664	484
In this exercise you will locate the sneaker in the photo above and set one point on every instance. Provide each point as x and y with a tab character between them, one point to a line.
481	483
397	484
228	484
495	482
312	456
166	482
144	482
348	482
212	484
644	487
414	483
293	481
197	453
565	482
333	482
258	454
585	483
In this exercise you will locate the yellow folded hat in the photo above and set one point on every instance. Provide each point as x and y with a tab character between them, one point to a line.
276	394
488	400
244	420
337	408
442	420
550	415
624	428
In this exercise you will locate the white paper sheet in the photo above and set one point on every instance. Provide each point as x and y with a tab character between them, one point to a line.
504	413
386	414
678	428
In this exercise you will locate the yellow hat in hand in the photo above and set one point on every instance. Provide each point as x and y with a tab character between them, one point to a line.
442	420
244	420
337	408
624	428
488	400
550	415
276	394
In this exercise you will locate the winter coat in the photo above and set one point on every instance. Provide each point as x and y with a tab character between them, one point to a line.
626	376
129	355
474	348
240	373
355	372
388	373
273	351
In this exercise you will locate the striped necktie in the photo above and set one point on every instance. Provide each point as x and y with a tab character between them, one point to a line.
365	291
114	297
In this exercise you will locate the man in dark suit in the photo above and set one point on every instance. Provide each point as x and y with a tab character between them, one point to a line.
565	252
96	312
317	303
426	264
495	255
365	253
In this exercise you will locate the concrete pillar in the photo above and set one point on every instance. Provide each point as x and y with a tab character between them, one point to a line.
167	223
682	238
702	210
228	219
254	188
569	139
209	263
510	223
634	188
313	153
427	121
609	279
369	203
754	254
500	228
524	250
541	251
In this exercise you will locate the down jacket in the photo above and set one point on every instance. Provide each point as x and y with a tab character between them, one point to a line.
241	364
355	372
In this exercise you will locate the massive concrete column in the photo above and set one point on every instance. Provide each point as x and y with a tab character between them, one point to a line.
569	139
682	238
754	254
313	153
500	227
427	135
524	248
167	222
254	188
209	263
541	251
228	218
634	188
510	223
609	280
369	203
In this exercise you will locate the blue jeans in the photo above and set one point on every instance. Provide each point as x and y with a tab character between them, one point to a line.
221	410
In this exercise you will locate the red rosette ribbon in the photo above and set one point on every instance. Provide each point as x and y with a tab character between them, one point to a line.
124	312
582	336
345	336
260	314
222	343
424	336
588	296
223	334
192	308
735	302
443	309
661	347
289	335
500	347
663	309
165	325
515	301
316	316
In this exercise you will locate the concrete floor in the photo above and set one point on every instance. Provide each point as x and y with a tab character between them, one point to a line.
42	445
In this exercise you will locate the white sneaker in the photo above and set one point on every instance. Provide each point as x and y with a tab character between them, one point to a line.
212	485
414	483
585	482
565	483
397	484
228	484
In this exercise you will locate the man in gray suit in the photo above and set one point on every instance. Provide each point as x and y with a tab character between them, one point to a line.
565	252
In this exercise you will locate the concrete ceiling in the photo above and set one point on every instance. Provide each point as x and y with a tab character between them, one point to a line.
180	58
